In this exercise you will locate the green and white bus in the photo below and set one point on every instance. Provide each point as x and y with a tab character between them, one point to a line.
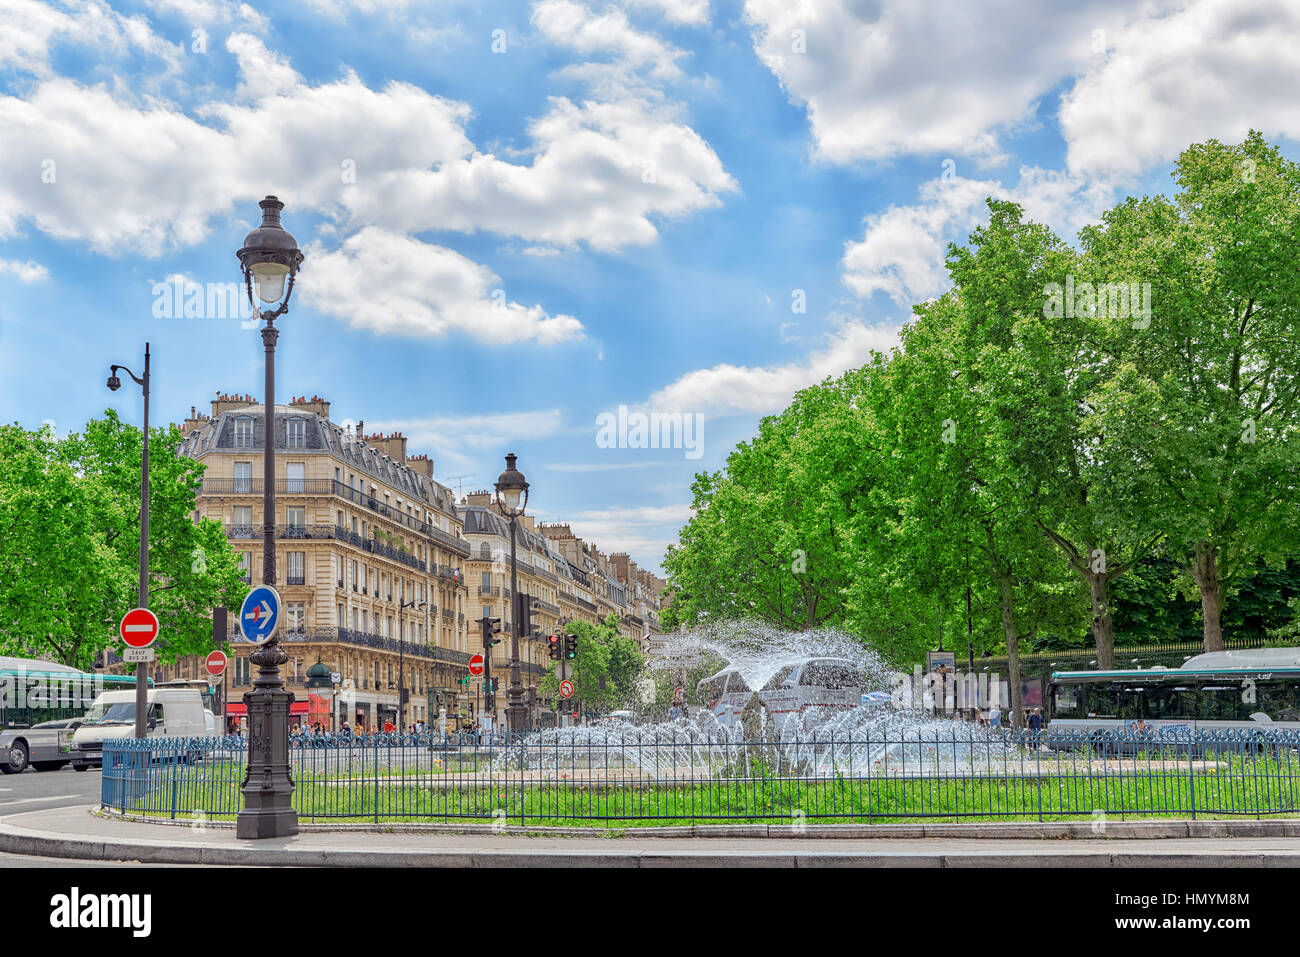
1244	690
34	692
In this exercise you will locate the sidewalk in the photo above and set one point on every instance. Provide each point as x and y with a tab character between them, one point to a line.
76	834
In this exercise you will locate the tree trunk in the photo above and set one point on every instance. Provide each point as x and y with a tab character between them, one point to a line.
1103	628
1013	647
1205	569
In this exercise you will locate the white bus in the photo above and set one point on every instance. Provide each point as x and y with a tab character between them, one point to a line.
1227	689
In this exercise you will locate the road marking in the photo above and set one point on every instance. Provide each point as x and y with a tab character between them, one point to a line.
52	797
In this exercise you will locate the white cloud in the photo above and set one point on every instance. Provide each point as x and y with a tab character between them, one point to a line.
883	78
29	271
644	532
903	248
395	284
685	12
147	177
600	173
450	437
261	72
1215	69
28	29
727	389
573	25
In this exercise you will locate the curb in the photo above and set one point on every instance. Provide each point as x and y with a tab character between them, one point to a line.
1046	830
18	840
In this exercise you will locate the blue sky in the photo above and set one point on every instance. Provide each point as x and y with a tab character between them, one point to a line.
519	216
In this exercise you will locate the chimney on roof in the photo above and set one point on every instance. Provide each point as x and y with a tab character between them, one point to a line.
224	403
314	404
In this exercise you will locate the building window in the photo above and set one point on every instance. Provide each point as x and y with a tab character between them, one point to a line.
487	580
242	522
243	433
297	573
342	621
340	518
246	566
296	473
241	670
295	434
295	516
296	612
354	620
243	476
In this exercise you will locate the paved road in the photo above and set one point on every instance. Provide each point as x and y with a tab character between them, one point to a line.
42	790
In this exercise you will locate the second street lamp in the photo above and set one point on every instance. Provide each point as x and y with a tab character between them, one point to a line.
142	598
269	256
512	499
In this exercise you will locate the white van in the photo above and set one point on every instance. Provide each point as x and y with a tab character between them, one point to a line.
173	713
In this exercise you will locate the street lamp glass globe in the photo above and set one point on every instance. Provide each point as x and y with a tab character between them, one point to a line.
511	497
268	281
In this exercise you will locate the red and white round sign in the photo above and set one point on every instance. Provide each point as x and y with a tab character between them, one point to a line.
139	627
566	689
476	665
216	663
679	695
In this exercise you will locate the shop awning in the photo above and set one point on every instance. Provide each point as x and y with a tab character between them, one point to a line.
239	709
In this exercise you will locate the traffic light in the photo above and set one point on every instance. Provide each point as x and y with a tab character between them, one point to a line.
553	642
570	647
492	684
491	626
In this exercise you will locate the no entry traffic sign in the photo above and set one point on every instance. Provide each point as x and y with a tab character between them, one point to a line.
216	663
139	627
476	665
566	689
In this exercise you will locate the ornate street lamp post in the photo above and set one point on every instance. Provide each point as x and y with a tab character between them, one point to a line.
268	257
512	499
142	598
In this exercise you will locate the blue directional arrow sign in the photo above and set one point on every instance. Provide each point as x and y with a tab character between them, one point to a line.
260	614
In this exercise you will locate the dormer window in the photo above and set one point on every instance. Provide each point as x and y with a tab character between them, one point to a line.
243	433
295	434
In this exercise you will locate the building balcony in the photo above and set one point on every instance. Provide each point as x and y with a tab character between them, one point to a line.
360	639
295	579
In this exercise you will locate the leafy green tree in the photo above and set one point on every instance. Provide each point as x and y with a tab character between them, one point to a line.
70	554
765	538
1199	419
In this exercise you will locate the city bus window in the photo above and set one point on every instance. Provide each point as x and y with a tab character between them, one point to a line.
1066	701
1280	701
1221	703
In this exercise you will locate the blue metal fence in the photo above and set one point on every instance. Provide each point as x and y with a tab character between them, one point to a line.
661	775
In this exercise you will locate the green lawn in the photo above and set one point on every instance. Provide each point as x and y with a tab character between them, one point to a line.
1232	786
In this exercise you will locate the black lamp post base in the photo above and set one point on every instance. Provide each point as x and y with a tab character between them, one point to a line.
257	824
268	786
